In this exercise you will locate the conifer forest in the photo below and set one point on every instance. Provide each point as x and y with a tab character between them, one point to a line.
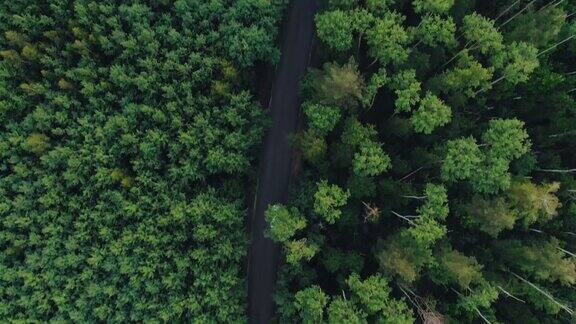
432	171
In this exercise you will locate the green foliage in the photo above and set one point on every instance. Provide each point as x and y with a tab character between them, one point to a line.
379	6
407	89
492	176
361	187
312	146
432	6
297	250
338	85
283	222
37	143
463	159
518	60
436	205
539	28
455	267
377	80
344	311
535	203
487	171
468	78
544	260
334	29
374	295
435	30
404	256
127	131
322	119
481	297
356	134
507	138
426	231
388	39
482	34
431	114
328	199
310	302
371	160
337	260
490	216
474	100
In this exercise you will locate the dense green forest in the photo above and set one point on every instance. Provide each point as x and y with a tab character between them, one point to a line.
128	131
438	181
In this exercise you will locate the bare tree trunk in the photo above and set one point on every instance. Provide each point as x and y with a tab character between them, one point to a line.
557	171
517	14
510	295
505	11
406	218
556	45
415	197
564	307
551	3
567	252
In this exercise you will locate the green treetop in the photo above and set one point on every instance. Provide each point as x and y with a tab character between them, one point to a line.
506	138
313	147
335	29
436	205
356	134
310	302
327	200
426	231
371	160
492	176
404	256
379	6
431	113
467	78
491	216
338	85
344	311
544	260
435	30
388	39
432	6
535	203
482	34
407	89
539	28
284	222
297	250
518	61
362	20
377	80
481	297
321	119
373	294
462	159
455	267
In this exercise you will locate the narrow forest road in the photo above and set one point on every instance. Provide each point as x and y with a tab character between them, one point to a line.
275	168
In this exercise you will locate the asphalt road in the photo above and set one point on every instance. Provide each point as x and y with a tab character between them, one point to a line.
275	168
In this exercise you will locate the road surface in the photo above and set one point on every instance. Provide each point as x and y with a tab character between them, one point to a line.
275	165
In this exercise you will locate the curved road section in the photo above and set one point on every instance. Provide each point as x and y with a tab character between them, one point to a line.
275	168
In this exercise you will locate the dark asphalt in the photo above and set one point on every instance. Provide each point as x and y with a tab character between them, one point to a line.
275	168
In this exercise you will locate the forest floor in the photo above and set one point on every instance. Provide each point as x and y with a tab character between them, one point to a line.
275	165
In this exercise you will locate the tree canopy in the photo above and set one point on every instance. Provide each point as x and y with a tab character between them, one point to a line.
128	130
445	191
